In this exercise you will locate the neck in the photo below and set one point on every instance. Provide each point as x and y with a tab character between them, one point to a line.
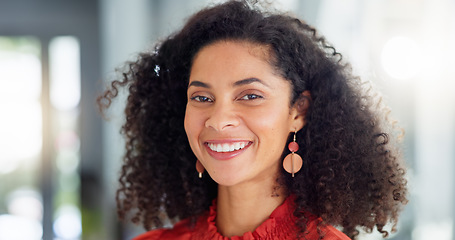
242	208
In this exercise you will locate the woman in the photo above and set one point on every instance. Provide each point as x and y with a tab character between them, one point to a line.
247	125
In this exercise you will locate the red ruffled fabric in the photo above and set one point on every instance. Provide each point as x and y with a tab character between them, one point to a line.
280	225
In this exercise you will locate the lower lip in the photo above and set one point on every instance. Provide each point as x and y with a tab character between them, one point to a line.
226	155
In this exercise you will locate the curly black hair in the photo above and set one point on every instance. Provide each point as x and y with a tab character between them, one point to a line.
352	177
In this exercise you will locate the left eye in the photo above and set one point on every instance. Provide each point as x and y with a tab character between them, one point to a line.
201	99
250	97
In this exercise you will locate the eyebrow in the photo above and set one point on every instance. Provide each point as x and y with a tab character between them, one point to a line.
249	81
199	84
236	84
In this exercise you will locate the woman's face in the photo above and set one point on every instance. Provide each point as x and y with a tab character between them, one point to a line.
238	115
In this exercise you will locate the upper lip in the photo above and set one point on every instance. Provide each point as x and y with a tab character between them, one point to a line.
221	141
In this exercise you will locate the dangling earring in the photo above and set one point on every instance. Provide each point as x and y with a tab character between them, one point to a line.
199	168
292	163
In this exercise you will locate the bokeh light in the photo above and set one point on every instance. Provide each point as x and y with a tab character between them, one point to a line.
68	223
401	58
65	72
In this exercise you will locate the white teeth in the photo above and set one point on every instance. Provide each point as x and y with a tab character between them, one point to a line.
225	147
237	145
219	148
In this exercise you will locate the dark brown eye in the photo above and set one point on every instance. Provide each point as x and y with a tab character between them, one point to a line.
201	99
250	97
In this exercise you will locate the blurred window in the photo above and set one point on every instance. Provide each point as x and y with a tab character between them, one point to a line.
39	138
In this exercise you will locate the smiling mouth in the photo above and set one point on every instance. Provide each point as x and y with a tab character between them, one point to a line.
227	147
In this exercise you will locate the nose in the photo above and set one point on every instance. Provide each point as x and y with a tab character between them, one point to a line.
222	117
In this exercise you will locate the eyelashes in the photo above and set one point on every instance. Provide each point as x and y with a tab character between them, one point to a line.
201	99
251	97
246	97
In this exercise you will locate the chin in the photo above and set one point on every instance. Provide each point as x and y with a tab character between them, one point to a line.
227	180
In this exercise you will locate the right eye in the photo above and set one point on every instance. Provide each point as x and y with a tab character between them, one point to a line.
201	99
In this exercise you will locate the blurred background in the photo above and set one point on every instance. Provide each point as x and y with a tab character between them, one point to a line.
59	160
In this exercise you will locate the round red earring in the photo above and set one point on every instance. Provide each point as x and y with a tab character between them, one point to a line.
292	163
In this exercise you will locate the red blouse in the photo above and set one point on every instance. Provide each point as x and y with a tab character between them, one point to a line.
280	225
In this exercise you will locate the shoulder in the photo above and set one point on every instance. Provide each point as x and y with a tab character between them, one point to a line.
181	231
332	233
316	228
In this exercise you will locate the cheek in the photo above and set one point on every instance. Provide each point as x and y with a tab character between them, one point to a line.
271	120
192	124
271	128
188	123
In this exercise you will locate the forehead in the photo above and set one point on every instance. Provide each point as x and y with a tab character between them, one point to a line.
257	49
238	56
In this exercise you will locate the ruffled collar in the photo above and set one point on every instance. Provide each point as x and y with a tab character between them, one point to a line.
280	225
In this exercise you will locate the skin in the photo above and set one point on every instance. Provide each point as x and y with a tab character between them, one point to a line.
234	95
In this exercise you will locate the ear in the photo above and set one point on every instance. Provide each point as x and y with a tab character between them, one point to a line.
299	111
